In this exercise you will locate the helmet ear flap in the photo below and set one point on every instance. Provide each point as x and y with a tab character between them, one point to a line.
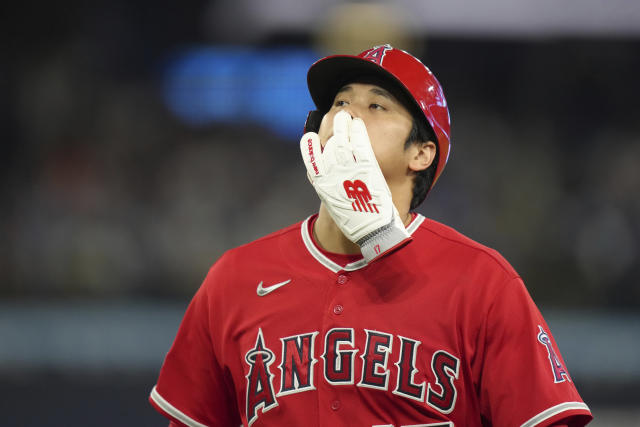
312	124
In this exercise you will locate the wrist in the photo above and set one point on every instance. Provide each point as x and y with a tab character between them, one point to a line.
384	240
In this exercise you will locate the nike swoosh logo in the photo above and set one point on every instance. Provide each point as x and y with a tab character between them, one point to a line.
264	290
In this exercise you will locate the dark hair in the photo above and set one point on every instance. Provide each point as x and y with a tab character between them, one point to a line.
422	132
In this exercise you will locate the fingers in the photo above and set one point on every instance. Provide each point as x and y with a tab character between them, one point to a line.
348	144
312	154
360	142
341	124
338	148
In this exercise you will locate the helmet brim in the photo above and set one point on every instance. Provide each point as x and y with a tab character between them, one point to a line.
328	75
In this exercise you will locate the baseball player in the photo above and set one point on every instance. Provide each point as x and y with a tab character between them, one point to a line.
366	313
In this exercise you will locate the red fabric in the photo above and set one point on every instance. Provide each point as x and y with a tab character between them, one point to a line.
441	330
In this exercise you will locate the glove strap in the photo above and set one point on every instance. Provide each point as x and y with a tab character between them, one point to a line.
383	241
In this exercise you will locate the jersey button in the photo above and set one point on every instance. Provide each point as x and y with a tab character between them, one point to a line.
342	279
338	309
335	405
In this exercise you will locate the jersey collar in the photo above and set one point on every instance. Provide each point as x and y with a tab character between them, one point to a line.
332	265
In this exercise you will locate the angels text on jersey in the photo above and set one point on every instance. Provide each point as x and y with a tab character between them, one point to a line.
380	353
339	352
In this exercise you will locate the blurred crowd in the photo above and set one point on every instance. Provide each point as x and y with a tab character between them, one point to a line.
105	193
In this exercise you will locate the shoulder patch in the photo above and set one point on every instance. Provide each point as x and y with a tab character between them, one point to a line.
560	373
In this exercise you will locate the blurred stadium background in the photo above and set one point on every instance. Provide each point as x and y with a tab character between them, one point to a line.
142	139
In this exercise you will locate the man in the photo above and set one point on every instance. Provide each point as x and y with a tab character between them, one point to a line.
367	314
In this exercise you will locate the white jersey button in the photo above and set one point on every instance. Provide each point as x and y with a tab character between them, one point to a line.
335	405
338	309
342	279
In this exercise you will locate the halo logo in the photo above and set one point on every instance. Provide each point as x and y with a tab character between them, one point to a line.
560	374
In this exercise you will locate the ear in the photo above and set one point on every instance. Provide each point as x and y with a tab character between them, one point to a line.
421	155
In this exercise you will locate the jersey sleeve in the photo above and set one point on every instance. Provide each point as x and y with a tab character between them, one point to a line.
193	389
524	378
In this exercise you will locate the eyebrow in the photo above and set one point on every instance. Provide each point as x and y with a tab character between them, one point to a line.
382	92
374	90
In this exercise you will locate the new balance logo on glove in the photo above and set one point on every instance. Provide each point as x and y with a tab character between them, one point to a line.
358	191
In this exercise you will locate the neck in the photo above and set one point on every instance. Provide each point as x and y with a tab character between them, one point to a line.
330	238
327	234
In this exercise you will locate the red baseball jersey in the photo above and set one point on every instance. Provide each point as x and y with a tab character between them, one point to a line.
439	333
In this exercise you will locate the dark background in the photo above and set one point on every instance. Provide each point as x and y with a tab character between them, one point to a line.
114	207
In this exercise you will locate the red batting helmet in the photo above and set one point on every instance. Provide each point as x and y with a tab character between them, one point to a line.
405	72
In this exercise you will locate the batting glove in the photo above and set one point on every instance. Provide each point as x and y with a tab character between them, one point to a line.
349	182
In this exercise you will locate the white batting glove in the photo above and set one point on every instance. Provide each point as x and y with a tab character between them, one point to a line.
349	182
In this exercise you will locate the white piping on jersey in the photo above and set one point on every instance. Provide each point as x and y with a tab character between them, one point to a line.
554	410
172	410
322	258
352	266
413	226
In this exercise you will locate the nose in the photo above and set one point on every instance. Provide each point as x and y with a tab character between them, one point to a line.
349	110
353	110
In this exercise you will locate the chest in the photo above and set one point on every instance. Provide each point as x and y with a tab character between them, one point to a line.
330	340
